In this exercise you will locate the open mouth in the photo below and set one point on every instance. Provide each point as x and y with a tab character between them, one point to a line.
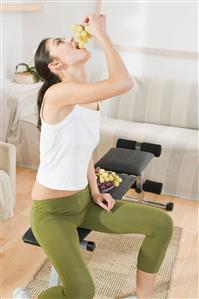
75	43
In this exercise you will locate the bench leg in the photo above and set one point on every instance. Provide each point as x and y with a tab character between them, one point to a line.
139	189
140	195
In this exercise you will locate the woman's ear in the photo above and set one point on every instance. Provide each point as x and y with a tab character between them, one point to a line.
54	65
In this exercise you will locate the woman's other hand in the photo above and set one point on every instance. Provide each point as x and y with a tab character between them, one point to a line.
95	24
104	200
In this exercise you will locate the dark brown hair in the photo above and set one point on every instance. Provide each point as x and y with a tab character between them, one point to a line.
41	60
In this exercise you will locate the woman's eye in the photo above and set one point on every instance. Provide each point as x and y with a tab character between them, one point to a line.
60	41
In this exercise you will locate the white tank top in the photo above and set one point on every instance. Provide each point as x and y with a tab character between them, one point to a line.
67	147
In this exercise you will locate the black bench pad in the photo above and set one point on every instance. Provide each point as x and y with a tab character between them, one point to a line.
123	160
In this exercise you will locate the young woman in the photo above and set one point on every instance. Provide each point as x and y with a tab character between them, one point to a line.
65	194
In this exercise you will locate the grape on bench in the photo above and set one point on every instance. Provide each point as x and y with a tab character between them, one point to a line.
106	179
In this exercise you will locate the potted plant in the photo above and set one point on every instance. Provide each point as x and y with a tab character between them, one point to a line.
26	74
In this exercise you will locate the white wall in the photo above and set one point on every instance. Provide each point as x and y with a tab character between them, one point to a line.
150	65
11	41
154	25
56	19
22	33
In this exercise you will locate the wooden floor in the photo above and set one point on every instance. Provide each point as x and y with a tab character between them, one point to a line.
19	261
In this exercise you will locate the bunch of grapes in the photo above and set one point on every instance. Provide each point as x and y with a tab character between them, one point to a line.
82	36
106	179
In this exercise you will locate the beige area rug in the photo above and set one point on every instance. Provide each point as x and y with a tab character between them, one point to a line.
113	266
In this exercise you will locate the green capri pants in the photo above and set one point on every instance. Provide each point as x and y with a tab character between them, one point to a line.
54	224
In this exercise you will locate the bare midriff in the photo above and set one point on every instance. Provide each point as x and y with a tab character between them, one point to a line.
40	192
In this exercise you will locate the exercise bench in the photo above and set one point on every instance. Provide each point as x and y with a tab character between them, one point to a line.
132	157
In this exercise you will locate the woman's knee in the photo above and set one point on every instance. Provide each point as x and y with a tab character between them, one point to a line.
156	243
165	226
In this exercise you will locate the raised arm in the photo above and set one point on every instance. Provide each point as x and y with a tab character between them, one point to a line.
119	80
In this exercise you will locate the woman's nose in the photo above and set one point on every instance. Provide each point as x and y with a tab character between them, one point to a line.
70	39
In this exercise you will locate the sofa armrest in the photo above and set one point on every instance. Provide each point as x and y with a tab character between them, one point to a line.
8	164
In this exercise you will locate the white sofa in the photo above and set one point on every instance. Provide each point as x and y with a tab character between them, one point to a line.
7	180
161	111
155	110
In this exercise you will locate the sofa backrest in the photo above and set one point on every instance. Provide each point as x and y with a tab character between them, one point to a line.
155	100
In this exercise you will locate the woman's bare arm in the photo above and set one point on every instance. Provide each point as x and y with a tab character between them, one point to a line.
119	80
92	178
71	93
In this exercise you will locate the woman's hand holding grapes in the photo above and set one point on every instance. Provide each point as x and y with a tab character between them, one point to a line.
95	24
92	25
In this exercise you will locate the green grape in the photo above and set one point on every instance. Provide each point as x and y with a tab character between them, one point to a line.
101	180
84	33
81	45
106	179
102	170
78	35
105	174
79	28
81	35
84	39
110	177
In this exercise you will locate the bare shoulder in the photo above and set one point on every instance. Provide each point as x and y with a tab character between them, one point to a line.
60	90
62	86
52	92
51	112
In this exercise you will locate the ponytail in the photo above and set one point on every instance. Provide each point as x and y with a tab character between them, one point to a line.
53	80
42	59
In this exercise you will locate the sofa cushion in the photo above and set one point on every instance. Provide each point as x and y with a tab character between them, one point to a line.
177	166
155	100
